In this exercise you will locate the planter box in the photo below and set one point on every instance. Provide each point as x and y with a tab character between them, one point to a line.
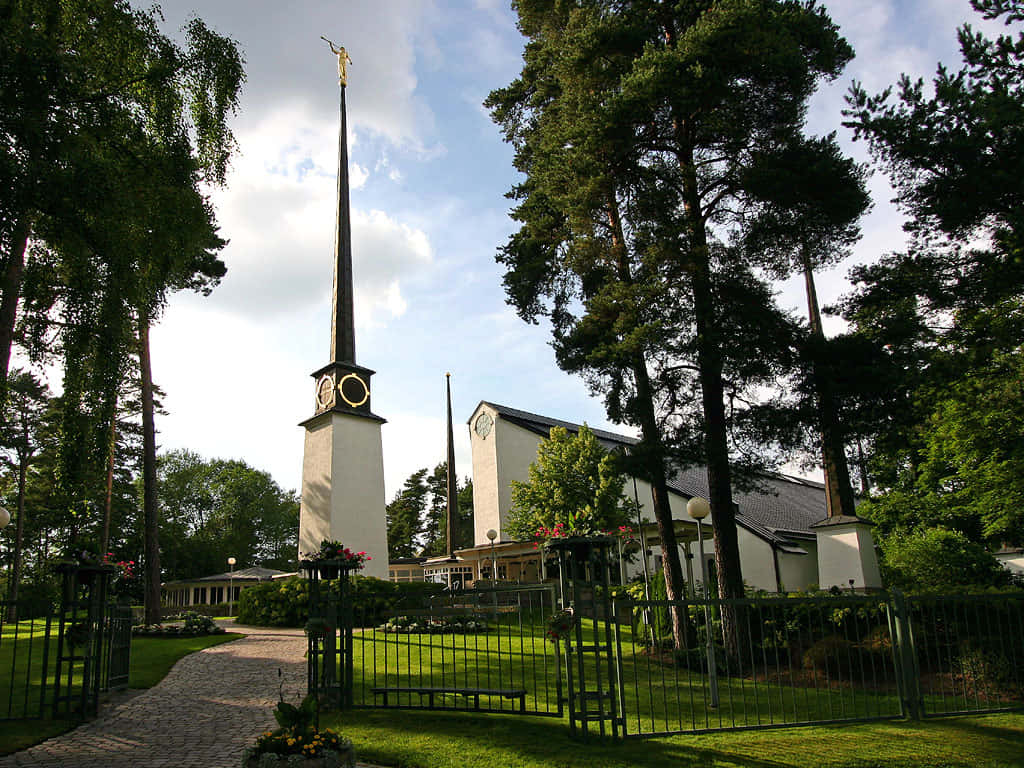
346	759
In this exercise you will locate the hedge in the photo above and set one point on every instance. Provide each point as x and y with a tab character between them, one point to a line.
285	602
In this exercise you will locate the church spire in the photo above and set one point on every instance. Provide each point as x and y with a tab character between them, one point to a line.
453	479
343	334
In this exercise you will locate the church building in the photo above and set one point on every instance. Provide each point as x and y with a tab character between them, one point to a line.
786	542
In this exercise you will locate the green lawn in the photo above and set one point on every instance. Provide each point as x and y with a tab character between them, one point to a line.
151	660
659	696
455	740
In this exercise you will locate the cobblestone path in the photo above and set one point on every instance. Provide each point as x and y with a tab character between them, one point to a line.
202	715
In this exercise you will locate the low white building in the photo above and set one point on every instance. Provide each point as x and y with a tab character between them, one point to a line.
785	541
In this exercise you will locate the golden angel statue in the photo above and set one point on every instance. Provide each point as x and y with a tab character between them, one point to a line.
343	60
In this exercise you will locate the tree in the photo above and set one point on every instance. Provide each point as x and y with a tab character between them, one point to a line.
939	560
435	520
213	509
948	311
104	158
811	198
634	125
23	435
574	484
405	516
418	515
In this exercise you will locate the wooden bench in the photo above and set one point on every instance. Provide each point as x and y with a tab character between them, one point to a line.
476	693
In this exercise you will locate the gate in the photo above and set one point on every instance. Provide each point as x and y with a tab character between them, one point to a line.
616	669
55	662
482	649
816	660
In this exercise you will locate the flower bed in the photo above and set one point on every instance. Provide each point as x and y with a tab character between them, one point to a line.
194	625
434	625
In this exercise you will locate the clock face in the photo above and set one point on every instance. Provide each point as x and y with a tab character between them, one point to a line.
353	390
483	424
325	392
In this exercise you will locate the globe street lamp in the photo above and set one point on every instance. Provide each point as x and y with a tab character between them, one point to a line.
698	509
492	535
231	585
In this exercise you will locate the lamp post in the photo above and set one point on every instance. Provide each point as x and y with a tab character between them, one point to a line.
492	535
698	509
231	585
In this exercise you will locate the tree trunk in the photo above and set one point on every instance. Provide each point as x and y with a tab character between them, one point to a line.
149	506
108	500
654	464
716	444
19	539
11	287
838	488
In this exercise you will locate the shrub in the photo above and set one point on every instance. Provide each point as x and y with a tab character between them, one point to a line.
987	672
939	560
277	603
285	602
832	655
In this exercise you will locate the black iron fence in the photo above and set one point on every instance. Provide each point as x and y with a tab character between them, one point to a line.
784	661
55	663
480	649
658	667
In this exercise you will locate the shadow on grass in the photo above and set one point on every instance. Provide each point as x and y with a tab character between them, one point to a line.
16	735
446	739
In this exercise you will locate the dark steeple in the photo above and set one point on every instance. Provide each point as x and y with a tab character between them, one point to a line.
341	385
343	333
453	487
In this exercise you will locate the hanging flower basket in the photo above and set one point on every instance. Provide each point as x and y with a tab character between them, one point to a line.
560	624
332	559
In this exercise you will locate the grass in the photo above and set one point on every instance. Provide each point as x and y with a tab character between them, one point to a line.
659	696
455	739
151	660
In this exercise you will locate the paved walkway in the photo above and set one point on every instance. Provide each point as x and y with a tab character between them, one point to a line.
210	707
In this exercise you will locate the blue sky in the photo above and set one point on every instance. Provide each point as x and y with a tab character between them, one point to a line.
429	174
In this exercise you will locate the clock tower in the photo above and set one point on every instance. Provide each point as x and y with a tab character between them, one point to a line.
343	460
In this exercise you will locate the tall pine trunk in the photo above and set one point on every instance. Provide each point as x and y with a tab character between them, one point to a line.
151	549
19	540
109	498
716	442
654	457
11	288
838	488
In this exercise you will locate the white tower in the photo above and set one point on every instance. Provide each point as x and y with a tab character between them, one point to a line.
343	461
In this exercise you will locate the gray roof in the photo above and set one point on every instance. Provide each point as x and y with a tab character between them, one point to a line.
781	508
242	574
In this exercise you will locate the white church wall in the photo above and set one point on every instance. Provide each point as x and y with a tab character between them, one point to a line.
756	561
517	450
798	572
485	479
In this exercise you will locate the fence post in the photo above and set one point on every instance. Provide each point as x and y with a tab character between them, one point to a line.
906	655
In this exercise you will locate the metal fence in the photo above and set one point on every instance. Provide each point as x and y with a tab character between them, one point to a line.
755	663
26	666
781	661
968	653
56	664
478	649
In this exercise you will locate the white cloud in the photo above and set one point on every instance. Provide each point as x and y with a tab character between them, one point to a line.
357	176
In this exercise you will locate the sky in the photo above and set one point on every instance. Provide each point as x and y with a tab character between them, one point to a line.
429	172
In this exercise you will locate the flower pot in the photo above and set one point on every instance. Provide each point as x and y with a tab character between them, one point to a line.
344	759
329	570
